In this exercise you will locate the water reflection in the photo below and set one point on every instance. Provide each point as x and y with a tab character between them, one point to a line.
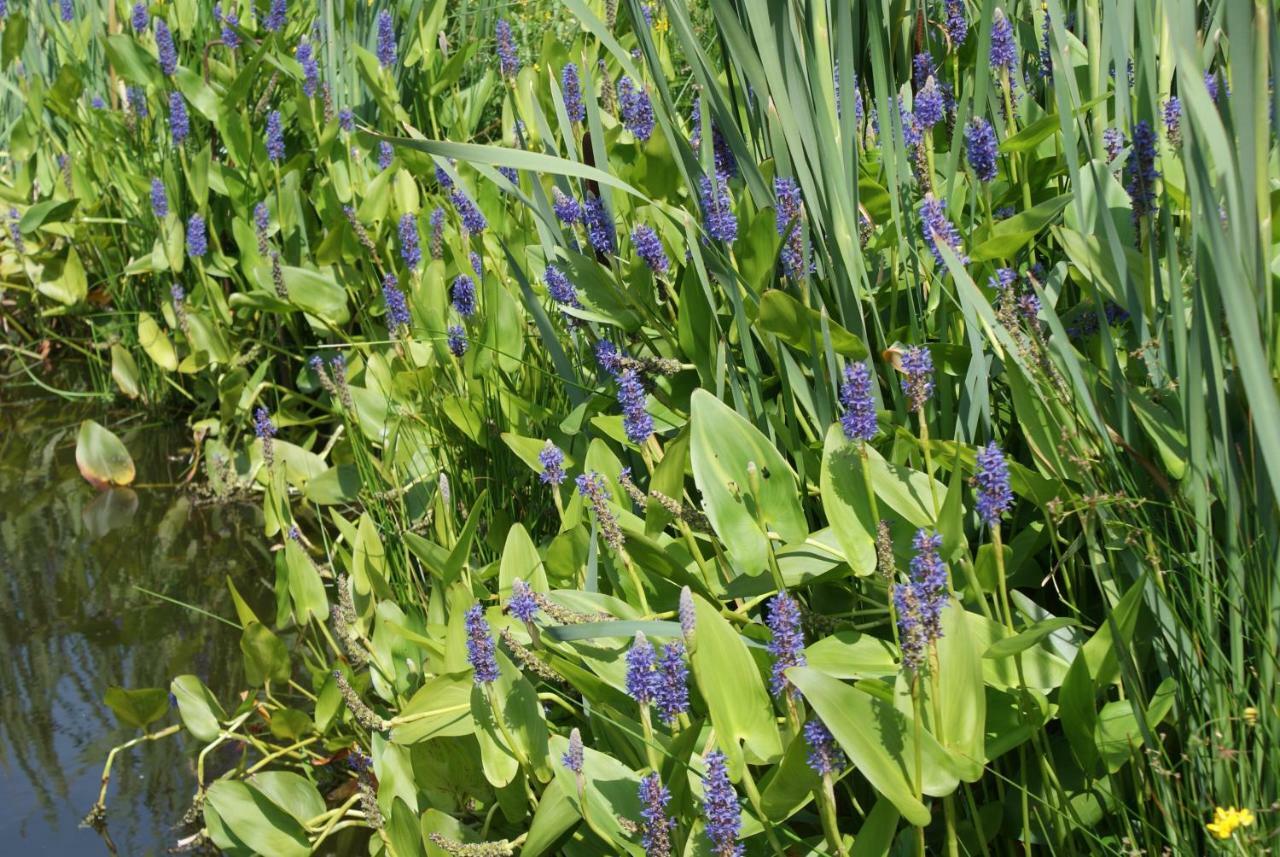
73	621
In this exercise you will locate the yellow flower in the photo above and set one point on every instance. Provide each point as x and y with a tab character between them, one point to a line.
1225	821
661	25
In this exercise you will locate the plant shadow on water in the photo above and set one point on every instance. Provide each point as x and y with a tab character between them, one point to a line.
74	621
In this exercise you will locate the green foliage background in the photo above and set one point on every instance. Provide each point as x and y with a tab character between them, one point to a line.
1107	672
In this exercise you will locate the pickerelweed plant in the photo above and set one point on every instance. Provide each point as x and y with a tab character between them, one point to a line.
727	430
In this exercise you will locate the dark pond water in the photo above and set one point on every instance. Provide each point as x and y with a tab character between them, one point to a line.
76	617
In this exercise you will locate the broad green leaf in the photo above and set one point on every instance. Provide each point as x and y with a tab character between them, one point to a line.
291	792
441	708
961	697
314	292
741	710
801	327
1078	713
14	39
130	61
1007	646
69	284
851	655
137	708
844	499
306	589
905	491
498	156
1164	431
722	446
47	212
875	836
101	457
249	819
265	656
124	371
200	711
556	813
1099	650
611	791
402	830
520	560
879	740
156	343
334	486
290	724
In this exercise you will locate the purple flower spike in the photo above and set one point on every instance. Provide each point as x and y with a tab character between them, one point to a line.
1140	171
508	62
673	683
305	55
480	649
572	758
397	309
718	218
642	671
559	287
522	604
197	237
992	479
825	756
1173	120
179	123
980	145
552	460
1004	50
276	18
386	40
165	51
599	225
571	89
473	220
631	398
859	417
656	827
456	337
568	210
957	25
649	248
917	380
787	645
688	615
937	228
230	37
463	296
930	108
720	808
410	252
635	109
159	199
919	603
275	137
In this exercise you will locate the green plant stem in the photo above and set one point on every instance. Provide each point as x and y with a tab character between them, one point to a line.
757	806
928	462
827	811
998	546
491	694
650	742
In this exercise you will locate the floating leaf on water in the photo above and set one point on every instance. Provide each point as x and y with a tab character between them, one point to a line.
102	457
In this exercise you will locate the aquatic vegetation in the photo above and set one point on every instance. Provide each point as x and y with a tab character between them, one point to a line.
620	411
